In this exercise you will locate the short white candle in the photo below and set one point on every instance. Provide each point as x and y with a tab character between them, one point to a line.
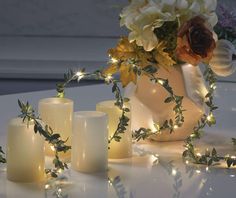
57	113
122	149
25	152
89	142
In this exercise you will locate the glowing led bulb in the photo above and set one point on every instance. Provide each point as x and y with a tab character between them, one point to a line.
46	186
113	60
174	172
52	148
176	126
161	82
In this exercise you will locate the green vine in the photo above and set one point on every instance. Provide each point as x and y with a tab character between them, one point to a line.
119	102
2	158
170	124
209	157
234	141
28	115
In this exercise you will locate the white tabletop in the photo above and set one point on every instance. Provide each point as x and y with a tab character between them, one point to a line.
143	175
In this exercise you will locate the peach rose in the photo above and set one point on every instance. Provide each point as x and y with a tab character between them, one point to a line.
195	42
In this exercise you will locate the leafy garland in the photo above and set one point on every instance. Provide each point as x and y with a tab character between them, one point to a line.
210	157
119	102
28	115
170	125
2	158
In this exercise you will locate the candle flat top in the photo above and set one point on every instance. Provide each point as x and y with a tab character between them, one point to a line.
107	104
56	100
89	114
19	122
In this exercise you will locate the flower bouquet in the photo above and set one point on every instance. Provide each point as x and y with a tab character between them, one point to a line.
159	65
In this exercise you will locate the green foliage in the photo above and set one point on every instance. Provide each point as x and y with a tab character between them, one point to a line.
168	32
2	158
209	158
119	100
170	124
54	139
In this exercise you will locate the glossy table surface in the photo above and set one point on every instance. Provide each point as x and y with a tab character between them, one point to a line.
155	170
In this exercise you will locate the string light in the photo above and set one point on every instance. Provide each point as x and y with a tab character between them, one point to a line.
80	75
108	78
52	148
198	171
210	117
47	186
176	126
174	172
199	154
113	60
161	82
213	86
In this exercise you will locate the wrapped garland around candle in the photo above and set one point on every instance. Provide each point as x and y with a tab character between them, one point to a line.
28	115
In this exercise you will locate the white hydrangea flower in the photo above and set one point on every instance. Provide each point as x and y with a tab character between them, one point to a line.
141	17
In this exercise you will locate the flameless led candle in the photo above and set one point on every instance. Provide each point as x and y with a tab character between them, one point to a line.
89	142
122	149
25	152
57	113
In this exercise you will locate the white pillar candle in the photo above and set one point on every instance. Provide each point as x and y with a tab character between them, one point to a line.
89	142
25	152
122	149
57	113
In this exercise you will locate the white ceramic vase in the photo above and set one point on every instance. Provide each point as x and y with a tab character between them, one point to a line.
147	101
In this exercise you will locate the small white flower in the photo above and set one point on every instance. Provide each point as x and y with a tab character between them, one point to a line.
141	17
222	62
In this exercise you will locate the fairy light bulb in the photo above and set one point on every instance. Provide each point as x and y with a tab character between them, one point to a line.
79	75
114	60
161	82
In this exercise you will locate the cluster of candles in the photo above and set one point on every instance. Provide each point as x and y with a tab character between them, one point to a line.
87	132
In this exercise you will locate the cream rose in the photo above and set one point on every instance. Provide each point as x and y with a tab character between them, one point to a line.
141	17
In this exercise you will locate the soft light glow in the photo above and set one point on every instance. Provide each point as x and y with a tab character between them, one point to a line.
176	126
59	190
207	168
47	186
113	60
161	82
213	86
199	154
108	78
174	172
192	135
52	148
198	171
233	157
186	162
80	75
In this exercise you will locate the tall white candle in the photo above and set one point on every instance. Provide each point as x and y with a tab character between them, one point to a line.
122	149
57	113
89	141
25	152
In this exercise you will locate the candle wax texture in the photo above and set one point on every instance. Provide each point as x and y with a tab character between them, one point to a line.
25	152
122	149
90	142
